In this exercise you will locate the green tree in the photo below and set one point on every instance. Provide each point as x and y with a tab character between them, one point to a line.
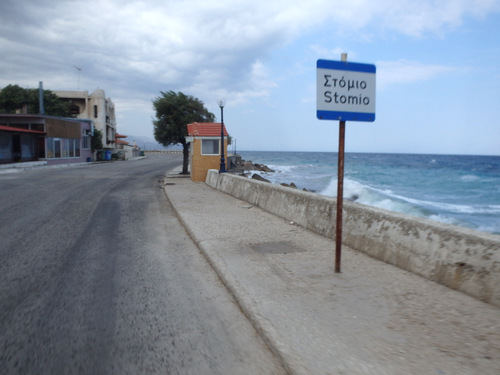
52	104
96	141
14	97
173	112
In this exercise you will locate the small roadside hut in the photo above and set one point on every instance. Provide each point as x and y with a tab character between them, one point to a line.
205	139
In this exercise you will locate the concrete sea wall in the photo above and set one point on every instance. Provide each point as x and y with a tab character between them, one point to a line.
457	257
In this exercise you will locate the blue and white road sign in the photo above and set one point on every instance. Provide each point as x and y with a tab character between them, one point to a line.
345	91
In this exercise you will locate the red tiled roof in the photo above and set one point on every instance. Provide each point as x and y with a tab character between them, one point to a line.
120	142
13	129
205	129
120	136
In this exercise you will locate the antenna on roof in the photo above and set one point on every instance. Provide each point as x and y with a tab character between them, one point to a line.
79	71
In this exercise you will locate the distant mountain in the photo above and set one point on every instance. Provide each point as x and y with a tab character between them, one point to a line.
146	143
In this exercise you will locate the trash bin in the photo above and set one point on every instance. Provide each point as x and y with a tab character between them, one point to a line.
107	155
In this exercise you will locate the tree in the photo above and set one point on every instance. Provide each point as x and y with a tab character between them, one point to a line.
173	112
96	141
14	97
52	104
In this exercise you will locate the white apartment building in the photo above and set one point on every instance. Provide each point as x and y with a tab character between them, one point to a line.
95	107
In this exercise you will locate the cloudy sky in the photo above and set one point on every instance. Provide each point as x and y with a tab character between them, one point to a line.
438	70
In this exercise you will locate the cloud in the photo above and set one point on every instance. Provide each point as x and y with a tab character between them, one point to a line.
404	71
412	18
329	53
208	47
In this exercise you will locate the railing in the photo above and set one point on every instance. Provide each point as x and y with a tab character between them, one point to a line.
179	152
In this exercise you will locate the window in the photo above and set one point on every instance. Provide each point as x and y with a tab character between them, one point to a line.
74	109
50	147
210	147
57	148
86	142
77	148
95	111
72	148
63	148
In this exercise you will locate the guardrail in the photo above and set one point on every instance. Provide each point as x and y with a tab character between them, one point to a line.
163	152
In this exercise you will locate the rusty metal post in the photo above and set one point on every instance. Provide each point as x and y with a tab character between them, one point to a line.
340	190
340	196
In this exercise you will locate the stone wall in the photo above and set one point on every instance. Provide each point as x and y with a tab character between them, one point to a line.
457	257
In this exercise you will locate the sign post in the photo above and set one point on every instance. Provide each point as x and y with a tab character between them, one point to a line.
340	196
345	92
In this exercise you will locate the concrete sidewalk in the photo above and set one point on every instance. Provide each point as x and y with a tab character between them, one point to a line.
372	318
27	166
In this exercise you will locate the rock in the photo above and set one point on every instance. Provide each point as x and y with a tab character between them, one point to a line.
292	185
249	166
235	164
258	177
243	167
353	198
263	168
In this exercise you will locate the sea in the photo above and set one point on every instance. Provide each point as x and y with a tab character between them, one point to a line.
460	190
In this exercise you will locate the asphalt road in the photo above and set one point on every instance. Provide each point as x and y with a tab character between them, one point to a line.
97	276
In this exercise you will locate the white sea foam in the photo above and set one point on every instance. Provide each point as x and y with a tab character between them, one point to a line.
282	168
356	191
444	219
455	208
492	228
469	178
459	190
388	200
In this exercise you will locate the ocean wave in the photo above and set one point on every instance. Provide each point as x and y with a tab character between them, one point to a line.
282	168
469	178
452	207
388	200
489	228
445	219
364	194
454	189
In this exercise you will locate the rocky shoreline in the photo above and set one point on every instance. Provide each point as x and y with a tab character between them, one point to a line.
246	168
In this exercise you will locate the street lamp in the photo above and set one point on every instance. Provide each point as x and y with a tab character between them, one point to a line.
222	168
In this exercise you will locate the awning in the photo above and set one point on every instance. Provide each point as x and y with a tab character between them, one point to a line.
19	130
61	128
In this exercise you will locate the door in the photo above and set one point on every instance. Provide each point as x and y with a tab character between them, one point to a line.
16	148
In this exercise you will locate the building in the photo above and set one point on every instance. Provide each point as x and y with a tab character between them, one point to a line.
95	107
55	140
124	150
205	138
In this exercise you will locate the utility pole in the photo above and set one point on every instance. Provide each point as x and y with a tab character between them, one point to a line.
79	72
